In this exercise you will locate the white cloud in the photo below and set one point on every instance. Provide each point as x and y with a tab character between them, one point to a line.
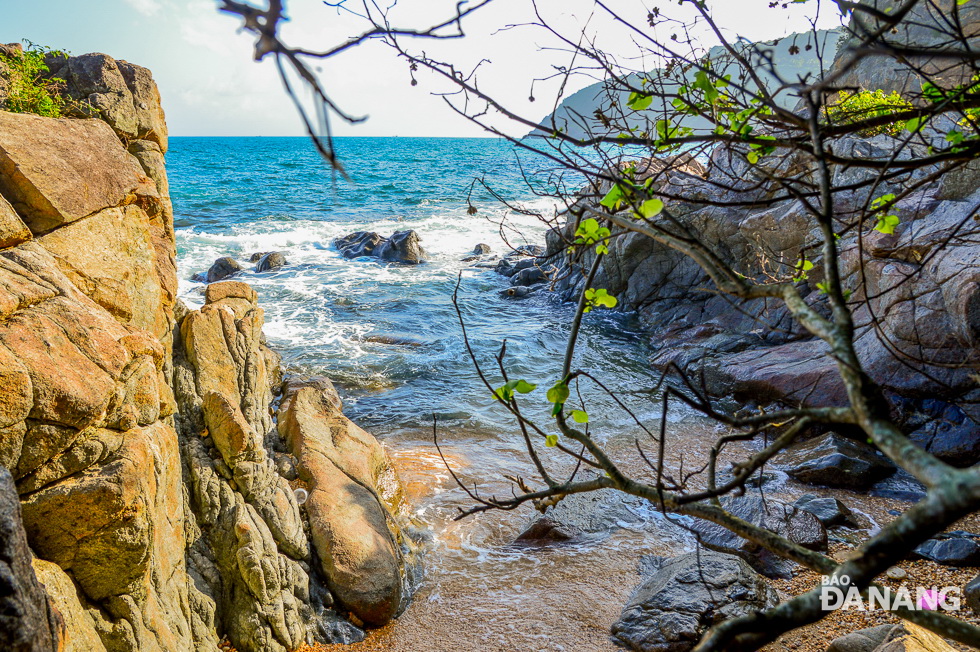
145	7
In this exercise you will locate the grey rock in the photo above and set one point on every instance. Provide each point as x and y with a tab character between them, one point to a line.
672	610
797	525
828	510
896	573
595	512
516	292
866	640
834	461
952	551
955	443
401	247
223	268
481	249
28	621
971	594
530	276
271	261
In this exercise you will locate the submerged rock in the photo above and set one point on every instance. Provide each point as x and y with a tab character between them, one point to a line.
401	247
834	461
673	609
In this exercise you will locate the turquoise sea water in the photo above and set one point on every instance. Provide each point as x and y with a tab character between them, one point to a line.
236	196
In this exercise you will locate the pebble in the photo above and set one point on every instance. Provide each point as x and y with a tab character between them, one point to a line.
896	573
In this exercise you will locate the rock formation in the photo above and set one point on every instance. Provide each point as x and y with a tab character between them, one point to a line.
157	499
924	296
401	247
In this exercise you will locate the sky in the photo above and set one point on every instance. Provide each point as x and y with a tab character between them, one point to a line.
211	86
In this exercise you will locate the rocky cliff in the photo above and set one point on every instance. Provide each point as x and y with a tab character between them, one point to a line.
916	292
156	498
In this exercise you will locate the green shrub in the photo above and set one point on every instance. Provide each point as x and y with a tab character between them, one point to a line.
30	90
865	105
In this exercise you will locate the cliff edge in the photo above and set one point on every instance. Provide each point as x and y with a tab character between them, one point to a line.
156	500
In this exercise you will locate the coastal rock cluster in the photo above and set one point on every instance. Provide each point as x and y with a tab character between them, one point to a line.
922	283
152	496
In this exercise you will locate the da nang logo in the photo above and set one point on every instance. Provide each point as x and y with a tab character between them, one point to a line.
837	593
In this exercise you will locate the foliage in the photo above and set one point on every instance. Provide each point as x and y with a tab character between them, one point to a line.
851	108
31	91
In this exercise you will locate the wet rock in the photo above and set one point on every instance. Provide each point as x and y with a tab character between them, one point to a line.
257	256
548	530
828	510
595	512
529	276
955	443
834	461
28	620
481	249
271	261
222	269
952	550
401	247
672	610
971	594
797	525
516	292
199	277
905	637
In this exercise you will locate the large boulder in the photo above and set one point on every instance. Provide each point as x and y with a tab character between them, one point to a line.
673	609
223	268
29	621
401	247
271	261
43	160
799	526
111	258
122	94
353	493
834	461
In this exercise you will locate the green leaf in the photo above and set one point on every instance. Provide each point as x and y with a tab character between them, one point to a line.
914	124
613	198
887	224
651	208
639	101
551	441
558	393
599	297
525	387
753	157
580	416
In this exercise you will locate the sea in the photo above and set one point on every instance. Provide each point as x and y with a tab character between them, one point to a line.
391	338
